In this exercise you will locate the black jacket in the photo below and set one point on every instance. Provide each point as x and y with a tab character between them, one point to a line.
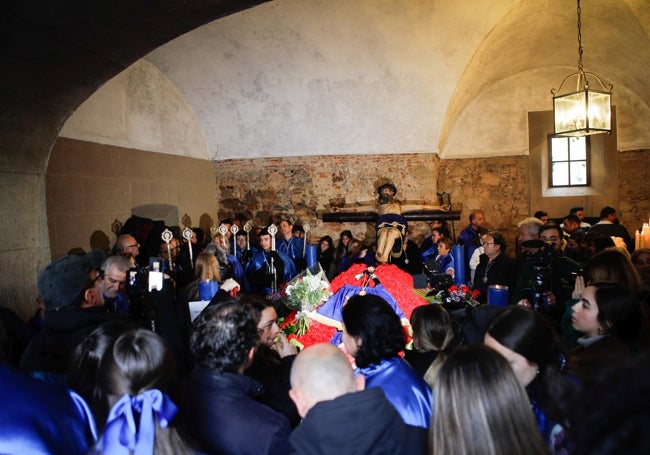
49	352
223	418
357	423
274	374
503	271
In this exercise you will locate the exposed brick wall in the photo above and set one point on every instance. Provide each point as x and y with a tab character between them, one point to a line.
303	187
499	186
634	186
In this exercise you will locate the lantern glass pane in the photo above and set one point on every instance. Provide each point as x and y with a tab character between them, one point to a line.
600	111
570	112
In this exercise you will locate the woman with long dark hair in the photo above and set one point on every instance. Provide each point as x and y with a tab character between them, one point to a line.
339	253
609	315
273	359
373	335
433	332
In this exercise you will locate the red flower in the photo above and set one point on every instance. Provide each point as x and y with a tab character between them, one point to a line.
464	289
476	293
453	288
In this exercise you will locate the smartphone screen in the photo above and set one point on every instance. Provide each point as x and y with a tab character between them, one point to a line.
155	274
133	273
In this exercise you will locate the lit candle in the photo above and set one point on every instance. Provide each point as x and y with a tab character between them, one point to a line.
637	240
644	241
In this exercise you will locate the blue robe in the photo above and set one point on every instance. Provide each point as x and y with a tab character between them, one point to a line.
293	247
238	272
445	262
406	391
40	418
429	254
263	259
331	312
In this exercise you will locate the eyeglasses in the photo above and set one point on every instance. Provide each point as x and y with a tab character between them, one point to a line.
131	246
487	243
89	285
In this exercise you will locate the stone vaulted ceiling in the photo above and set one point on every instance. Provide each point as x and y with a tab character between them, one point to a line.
301	77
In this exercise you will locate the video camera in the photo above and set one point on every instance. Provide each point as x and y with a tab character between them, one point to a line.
542	262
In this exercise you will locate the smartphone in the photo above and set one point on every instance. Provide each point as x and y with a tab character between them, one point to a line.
133	275
155	274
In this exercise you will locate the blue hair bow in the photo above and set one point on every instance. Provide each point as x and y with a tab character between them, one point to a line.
121	434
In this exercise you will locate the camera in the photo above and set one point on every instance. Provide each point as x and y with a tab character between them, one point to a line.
542	262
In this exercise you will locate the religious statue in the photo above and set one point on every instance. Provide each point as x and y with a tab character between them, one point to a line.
391	226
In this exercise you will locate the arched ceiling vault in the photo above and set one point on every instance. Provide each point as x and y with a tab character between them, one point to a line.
534	47
338	77
333	76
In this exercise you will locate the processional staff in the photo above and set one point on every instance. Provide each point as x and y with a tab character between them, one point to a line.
187	235
273	230
223	230
234	229
248	227
167	237
306	228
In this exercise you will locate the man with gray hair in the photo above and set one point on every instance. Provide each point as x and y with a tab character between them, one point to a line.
113	284
528	230
327	394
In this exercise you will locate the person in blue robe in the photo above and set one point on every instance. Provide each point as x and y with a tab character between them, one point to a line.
374	336
267	269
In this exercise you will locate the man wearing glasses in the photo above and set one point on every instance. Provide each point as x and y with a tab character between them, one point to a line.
127	246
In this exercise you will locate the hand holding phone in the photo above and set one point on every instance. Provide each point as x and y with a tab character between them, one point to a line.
155	274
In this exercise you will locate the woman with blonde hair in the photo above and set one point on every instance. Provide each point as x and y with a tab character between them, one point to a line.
206	268
481	408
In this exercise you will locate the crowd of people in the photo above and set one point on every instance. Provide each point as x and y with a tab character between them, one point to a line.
112	365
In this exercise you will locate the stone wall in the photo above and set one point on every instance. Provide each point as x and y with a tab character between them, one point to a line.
634	186
302	188
498	186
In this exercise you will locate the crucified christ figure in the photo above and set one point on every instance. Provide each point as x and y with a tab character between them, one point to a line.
391	226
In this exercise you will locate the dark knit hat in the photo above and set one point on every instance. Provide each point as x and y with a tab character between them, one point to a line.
63	280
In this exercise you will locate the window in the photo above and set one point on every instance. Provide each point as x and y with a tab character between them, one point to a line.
569	161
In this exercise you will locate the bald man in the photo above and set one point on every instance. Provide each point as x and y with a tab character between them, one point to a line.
127	246
339	416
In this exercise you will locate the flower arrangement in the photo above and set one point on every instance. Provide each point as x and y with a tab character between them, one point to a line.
458	295
305	293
